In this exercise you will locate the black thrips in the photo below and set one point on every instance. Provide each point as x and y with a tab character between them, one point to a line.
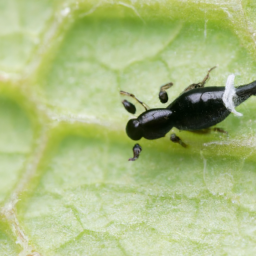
196	109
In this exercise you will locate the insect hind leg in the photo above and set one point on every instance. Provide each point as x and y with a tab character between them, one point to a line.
200	84
209	130
174	138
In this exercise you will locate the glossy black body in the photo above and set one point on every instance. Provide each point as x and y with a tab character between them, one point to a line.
193	110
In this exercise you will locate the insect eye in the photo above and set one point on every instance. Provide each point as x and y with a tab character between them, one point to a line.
163	96
129	106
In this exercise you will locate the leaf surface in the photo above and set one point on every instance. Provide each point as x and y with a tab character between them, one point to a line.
67	187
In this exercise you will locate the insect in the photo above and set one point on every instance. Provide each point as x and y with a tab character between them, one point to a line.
197	109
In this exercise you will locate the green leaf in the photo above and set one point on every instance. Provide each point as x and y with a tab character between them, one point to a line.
66	186
7	241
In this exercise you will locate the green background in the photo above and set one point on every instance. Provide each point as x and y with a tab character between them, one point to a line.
66	187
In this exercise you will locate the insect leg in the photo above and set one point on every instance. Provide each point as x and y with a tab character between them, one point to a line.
163	96
216	129
129	106
202	131
200	84
174	138
136	152
209	130
133	96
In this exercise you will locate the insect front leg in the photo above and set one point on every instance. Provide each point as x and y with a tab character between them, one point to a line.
163	96
200	84
174	138
136	152
129	106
